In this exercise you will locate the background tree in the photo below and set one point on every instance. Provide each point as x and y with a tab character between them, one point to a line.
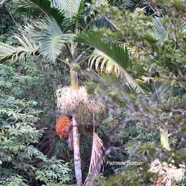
146	38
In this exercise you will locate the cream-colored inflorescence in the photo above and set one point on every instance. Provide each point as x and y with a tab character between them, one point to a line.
70	101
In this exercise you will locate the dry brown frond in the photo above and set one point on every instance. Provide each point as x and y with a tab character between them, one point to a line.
96	159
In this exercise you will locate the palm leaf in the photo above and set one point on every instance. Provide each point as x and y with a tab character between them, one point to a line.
119	2
163	90
73	10
109	57
96	160
70	7
183	25
26	48
101	61
6	51
158	29
43	6
116	52
60	10
78	20
45	37
2	2
51	38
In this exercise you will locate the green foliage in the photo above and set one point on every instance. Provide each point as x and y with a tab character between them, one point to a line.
53	170
151	41
19	158
33	80
13	181
48	36
117	53
134	137
109	57
27	49
183	181
146	43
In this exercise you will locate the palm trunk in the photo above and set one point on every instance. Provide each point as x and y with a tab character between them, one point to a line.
77	158
74	79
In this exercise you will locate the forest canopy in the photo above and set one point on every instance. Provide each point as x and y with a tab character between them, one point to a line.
92	92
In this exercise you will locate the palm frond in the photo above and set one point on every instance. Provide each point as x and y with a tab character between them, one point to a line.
70	7
45	37
183	25
43	6
128	3
6	51
118	3
26	48
116	52
109	57
96	160
2	2
57	4
159	30
163	90
78	20
51	38
103	62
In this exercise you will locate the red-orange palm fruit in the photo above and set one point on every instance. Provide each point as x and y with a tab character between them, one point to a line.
62	126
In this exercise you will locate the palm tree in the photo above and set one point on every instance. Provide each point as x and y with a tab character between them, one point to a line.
53	35
49	37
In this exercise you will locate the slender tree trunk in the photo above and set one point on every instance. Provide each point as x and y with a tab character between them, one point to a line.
74	79
77	158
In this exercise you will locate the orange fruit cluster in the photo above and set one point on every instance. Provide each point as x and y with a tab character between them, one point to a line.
62	126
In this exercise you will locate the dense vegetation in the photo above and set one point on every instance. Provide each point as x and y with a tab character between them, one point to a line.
129	56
